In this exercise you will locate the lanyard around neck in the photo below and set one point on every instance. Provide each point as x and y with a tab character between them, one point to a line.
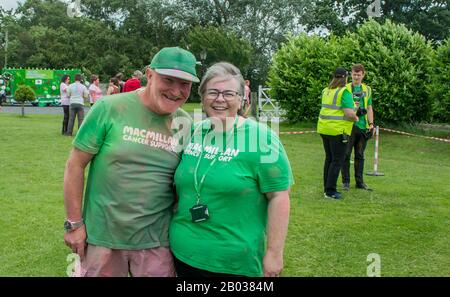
198	186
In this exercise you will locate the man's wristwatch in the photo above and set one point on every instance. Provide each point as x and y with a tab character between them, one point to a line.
70	226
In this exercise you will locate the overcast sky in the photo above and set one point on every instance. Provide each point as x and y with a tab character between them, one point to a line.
8	4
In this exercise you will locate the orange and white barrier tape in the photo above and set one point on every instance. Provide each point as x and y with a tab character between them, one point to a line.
385	129
297	132
414	135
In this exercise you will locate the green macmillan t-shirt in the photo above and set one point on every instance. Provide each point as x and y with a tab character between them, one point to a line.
129	193
233	239
361	124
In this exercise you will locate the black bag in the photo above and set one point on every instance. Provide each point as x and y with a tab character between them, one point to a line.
368	134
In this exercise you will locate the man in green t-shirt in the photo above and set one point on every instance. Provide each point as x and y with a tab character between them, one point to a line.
362	129
132	143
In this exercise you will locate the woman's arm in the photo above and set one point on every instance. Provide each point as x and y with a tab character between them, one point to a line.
93	95
277	226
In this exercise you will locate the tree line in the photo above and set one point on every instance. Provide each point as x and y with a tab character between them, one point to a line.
409	77
114	36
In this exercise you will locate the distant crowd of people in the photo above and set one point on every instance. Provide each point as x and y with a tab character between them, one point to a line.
73	96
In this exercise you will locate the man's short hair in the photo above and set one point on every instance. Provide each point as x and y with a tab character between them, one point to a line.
358	68
137	74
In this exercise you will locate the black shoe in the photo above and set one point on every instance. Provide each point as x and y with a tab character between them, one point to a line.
346	186
363	186
333	195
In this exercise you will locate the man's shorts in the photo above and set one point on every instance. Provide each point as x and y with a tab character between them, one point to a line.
101	261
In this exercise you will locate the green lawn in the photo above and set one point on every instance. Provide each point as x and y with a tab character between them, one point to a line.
405	220
190	107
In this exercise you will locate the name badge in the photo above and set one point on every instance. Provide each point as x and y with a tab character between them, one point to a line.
199	213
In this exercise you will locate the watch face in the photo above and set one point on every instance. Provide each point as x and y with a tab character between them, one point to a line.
67	225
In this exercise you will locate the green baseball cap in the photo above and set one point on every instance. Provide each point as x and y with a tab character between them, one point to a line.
176	62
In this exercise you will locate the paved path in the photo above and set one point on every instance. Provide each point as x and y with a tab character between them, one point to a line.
43	110
35	110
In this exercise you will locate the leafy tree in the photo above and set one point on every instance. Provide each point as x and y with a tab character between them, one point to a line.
8	24
300	70
220	45
44	36
113	35
148	20
439	89
431	18
136	29
24	94
263	23
327	15
397	63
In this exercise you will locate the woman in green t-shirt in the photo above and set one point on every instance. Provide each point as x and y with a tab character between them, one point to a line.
233	186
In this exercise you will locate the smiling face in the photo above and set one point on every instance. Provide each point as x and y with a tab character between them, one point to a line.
225	105
167	93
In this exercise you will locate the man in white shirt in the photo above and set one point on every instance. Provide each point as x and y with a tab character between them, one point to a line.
77	93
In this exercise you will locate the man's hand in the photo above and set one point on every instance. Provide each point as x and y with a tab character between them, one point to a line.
273	264
361	111
76	240
372	129
73	197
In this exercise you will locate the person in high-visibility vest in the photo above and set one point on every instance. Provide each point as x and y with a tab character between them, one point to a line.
335	126
362	129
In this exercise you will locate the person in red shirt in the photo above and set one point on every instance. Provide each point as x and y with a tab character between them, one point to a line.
133	83
246	101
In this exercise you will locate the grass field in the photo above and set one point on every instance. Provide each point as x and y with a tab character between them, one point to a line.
190	107
405	220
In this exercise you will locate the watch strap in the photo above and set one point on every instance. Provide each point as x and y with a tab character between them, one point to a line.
73	225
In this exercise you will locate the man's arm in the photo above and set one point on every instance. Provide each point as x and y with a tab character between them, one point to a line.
73	198
350	115
92	94
370	114
277	225
85	93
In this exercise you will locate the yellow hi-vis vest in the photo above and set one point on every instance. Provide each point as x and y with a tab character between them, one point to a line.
367	93
331	117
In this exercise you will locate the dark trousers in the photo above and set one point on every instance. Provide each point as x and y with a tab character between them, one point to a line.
65	119
185	270
76	110
357	142
334	158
